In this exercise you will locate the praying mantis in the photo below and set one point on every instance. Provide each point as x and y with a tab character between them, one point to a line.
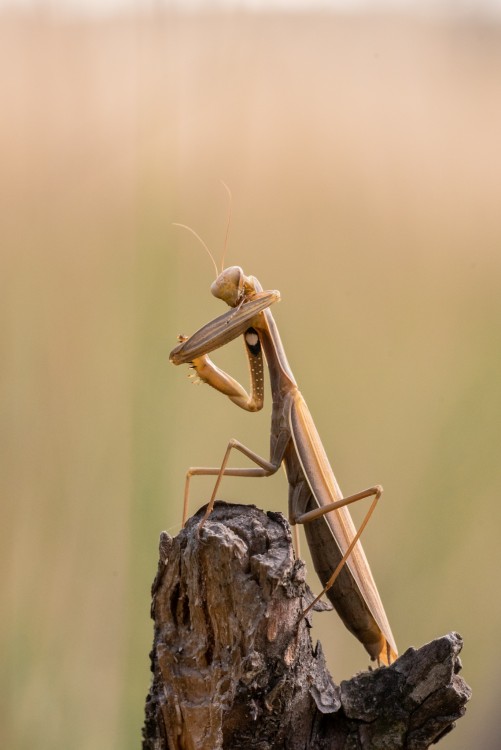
315	498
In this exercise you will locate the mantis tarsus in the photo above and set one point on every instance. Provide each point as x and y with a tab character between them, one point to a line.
315	499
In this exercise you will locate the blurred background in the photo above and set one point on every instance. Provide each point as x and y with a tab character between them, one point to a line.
361	143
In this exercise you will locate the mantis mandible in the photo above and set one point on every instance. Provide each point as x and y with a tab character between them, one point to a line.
315	498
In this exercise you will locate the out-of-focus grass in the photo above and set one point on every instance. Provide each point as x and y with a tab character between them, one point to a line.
364	159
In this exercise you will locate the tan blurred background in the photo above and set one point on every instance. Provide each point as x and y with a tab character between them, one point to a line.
364	157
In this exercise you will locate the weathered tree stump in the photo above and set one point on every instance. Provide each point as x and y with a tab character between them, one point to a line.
234	666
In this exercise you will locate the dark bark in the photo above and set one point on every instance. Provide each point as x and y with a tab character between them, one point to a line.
234	667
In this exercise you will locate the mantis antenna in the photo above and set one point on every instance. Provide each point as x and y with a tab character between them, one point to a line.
184	226
228	222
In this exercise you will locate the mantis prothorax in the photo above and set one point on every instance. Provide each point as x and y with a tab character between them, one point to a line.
315	499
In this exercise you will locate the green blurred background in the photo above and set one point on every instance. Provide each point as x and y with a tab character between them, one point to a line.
364	157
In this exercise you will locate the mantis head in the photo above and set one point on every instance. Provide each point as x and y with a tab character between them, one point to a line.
232	286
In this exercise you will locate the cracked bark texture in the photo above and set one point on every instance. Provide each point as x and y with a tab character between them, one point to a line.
234	666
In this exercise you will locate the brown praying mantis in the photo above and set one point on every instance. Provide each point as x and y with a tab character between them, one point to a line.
315	498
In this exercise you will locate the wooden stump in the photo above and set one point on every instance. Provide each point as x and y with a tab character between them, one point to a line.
234	666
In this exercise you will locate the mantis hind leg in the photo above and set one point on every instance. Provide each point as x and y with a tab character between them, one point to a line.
312	515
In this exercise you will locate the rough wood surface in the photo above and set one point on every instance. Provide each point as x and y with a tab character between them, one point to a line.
234	667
